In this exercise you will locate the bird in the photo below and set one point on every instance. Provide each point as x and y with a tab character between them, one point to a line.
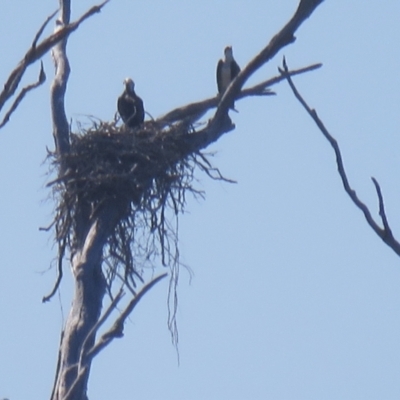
130	105
226	72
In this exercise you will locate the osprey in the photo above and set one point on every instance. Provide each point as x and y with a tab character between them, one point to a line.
226	72
130	105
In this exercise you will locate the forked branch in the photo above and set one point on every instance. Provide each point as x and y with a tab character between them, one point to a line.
116	331
35	53
384	233
22	93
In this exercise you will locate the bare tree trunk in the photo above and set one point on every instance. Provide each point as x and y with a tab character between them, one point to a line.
74	368
85	311
91	234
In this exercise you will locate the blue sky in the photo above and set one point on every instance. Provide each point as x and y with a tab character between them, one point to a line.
293	296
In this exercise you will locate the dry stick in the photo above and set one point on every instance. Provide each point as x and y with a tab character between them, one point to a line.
24	91
116	331
386	233
41	79
61	254
13	80
382	212
101	321
36	52
41	29
257	89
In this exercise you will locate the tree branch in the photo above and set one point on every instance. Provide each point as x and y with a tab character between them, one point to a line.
61	252
259	89
220	123
35	53
41	29
382	212
284	37
194	111
385	234
24	91
59	85
116	331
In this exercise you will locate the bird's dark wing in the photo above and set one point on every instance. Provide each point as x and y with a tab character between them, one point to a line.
139	110
126	107
219	76
235	69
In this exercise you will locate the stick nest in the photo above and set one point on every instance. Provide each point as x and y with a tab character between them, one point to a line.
146	173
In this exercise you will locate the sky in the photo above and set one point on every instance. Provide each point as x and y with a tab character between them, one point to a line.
292	295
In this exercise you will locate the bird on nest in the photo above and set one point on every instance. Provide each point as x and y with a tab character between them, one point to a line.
130	105
227	71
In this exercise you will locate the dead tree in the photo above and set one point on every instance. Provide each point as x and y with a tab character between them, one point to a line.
112	180
115	189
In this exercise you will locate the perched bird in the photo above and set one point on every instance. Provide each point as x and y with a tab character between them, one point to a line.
130	105
226	72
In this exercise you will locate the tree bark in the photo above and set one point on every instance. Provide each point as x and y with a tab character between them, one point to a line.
77	339
91	234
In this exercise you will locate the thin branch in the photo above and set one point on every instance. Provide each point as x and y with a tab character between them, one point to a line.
385	234
99	323
196	110
24	91
116	331
41	29
37	51
260	87
61	253
382	212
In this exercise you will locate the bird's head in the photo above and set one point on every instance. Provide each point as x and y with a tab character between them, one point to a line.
228	52
129	85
